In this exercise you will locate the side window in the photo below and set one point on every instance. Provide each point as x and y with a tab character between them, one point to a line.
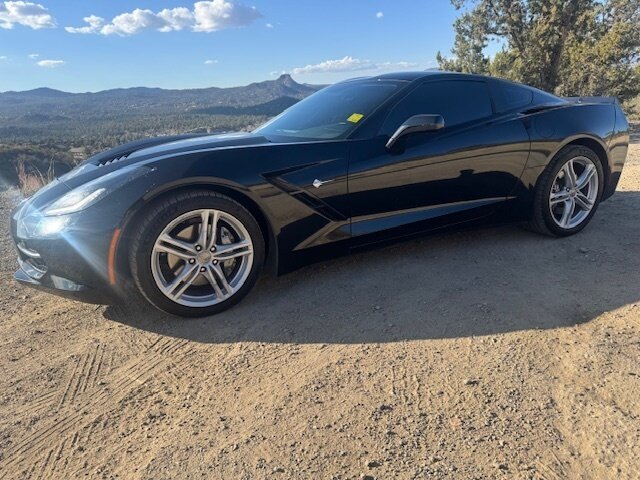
458	101
510	96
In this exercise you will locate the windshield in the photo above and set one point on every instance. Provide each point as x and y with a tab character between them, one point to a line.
333	112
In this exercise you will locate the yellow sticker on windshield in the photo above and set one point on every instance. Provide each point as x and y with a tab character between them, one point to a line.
355	118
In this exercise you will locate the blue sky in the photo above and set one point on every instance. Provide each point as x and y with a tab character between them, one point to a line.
188	44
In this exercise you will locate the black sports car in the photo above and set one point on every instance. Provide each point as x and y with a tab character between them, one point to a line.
190	222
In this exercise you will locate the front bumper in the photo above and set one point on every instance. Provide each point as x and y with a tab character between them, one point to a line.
71	264
61	287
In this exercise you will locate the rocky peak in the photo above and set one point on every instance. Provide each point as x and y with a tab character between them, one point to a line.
286	80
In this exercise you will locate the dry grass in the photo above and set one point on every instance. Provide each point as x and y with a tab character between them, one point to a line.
31	179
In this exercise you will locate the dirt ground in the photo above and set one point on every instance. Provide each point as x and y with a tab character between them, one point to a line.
486	354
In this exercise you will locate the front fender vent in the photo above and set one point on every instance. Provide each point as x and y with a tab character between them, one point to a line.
114	160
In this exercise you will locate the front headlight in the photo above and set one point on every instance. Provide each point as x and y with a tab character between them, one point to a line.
86	195
36	225
53	220
75	200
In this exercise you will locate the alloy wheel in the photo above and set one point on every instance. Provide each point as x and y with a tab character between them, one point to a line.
574	192
202	258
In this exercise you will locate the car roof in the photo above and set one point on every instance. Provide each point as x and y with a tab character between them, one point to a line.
442	74
412	76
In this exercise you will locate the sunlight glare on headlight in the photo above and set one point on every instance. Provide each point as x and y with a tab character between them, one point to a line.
51	225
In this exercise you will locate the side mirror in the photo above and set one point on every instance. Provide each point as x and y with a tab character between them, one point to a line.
416	124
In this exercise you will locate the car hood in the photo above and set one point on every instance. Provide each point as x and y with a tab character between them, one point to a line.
199	143
172	145
134	153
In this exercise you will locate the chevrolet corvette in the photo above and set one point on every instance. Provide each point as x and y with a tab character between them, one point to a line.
189	222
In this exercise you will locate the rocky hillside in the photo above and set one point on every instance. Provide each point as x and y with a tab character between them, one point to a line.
44	104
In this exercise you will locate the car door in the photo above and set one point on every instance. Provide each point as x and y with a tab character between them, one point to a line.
433	179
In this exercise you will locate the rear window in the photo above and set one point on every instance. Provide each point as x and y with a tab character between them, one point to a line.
510	96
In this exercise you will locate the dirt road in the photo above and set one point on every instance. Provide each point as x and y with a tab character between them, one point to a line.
486	354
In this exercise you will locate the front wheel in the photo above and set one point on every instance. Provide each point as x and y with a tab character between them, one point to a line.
568	192
196	253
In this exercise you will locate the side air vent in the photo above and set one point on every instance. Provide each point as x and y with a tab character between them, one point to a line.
114	160
542	108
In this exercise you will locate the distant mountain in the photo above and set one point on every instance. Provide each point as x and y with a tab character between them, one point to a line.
49	122
38	93
18	106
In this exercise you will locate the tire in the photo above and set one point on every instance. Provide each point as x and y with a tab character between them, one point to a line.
178	279
549	219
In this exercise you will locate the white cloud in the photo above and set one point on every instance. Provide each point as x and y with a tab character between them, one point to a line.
379	15
269	25
50	63
134	22
350	64
210	62
176	18
206	16
33	56
346	64
28	14
3	57
94	22
218	14
395	65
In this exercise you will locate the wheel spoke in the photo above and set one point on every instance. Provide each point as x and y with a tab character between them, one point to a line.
181	249
219	274
567	213
214	229
559	197
583	202
211	277
203	237
569	174
233	250
585	177
183	281
174	251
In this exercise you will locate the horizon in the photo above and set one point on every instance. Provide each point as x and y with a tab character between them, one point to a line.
135	87
77	47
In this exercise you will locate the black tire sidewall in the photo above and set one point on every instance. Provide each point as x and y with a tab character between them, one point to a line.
157	217
555	167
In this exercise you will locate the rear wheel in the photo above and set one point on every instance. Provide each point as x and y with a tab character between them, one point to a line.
196	253
568	193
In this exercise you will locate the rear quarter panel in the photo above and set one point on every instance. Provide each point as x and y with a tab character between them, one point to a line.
551	130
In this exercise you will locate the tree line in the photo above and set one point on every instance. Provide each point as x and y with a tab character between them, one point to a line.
567	47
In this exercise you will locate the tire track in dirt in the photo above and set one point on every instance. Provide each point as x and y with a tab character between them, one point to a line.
38	404
86	373
31	446
84	400
71	381
49	466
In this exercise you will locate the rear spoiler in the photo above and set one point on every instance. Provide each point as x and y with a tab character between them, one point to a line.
609	100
